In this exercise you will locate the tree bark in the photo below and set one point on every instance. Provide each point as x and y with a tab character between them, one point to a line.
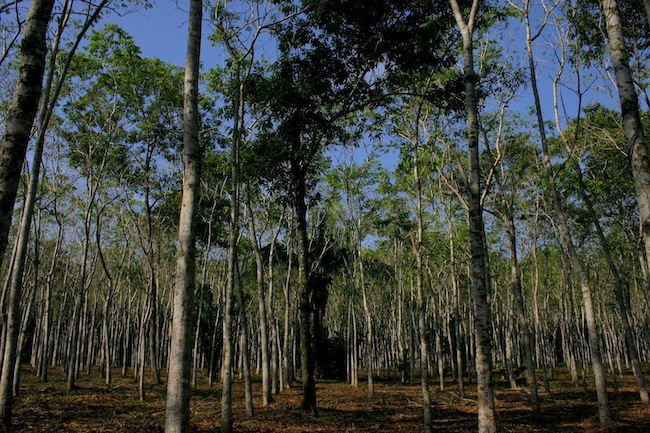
177	414
486	411
261	303
639	161
306	339
567	241
22	111
18	126
417	250
518	293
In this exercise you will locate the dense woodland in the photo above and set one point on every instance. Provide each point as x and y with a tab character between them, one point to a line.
444	193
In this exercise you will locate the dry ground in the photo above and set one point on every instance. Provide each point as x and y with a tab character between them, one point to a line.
48	407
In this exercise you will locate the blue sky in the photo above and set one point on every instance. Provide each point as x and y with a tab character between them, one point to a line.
162	31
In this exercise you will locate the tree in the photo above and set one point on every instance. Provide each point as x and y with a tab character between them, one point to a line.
567	240
47	103
18	126
636	141
480	283
241	60
177	414
311	95
620	284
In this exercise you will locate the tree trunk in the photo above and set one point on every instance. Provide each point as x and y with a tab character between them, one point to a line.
18	127
261	302
486	412
369	336
306	339
22	111
417	250
619	288
73	357
287	376
228	352
245	351
576	264
177	414
276	371
518	293
639	161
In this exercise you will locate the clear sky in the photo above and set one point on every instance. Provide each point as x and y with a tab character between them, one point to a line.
162	32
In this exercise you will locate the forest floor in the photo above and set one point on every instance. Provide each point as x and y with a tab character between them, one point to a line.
395	408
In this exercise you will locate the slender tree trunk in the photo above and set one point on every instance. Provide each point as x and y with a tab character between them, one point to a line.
456	331
153	333
486	412
73	357
286	344
639	161
276	371
177	415
233	273
245	346
522	320
261	303
370	353
195	350
228	352
306	339
577	266
18	126
142	344
45	356
619	288
417	250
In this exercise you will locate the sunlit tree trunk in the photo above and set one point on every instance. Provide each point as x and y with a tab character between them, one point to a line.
567	241
486	412
46	356
417	250
520	305
177	414
17	129
245	345
639	161
261	303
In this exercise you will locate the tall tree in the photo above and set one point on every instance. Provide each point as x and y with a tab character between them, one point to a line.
580	134
636	141
177	413
241	47
565	233
480	283
47	103
18	126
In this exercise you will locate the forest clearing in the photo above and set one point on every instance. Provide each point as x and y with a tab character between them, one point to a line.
395	408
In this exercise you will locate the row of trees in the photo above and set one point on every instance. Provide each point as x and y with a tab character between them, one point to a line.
275	239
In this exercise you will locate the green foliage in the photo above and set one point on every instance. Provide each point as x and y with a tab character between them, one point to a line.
588	29
123	111
601	147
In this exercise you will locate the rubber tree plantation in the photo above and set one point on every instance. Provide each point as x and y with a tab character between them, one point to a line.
326	216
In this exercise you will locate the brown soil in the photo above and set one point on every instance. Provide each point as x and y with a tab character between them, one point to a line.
48	407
